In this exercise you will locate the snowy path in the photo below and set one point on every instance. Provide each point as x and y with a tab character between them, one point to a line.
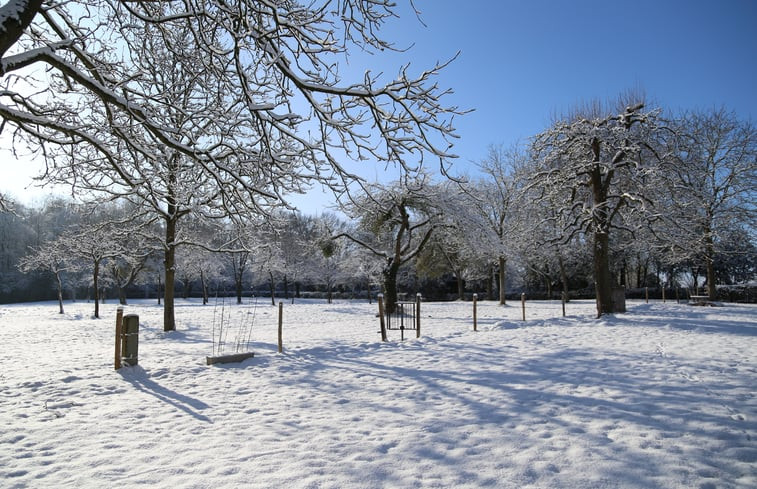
665	396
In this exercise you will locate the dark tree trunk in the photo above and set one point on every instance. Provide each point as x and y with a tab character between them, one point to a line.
95	275
602	275
238	286
204	288
273	289
460	286
490	284
710	265
563	277
390	286
502	289
60	292
600	185
169	264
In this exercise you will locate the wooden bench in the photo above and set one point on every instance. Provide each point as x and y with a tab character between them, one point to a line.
699	300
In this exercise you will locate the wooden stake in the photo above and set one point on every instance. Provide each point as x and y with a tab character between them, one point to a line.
281	324
523	304
646	293
564	300
475	318
119	326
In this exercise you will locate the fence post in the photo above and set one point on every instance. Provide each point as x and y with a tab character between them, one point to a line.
646	293
475	318
564	300
418	315
381	316
663	294
119	326
523	304
281	326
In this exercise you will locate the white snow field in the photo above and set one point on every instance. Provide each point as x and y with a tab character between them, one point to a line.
663	396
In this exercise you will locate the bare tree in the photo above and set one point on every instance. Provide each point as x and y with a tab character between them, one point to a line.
243	102
494	199
396	222
711	187
49	257
595	166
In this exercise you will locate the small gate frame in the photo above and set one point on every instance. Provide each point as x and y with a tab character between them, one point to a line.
406	316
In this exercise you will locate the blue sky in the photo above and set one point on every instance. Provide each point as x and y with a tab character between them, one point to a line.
523	61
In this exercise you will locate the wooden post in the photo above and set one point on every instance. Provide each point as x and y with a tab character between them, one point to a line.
119	325
564	300
523	304
663	294
281	323
475	318
646	293
418	315
381	316
130	340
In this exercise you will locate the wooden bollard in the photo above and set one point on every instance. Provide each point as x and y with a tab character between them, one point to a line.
119	326
281	327
475	318
564	300
523	304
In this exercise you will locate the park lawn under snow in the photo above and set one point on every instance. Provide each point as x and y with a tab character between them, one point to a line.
663	396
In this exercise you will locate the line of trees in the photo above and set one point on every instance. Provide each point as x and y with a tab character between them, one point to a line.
603	198
186	125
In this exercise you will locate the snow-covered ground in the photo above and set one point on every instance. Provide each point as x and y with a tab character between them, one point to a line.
663	396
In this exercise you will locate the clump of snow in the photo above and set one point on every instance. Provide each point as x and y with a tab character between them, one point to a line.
664	396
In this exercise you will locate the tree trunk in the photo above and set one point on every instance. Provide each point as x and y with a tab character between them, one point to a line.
60	293
204	281
238	287
623	273
273	289
490	284
709	249
563	276
390	286
502	265
286	287
460	286
602	276
95	275
169	321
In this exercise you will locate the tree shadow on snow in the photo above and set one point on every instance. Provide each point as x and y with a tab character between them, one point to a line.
141	381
